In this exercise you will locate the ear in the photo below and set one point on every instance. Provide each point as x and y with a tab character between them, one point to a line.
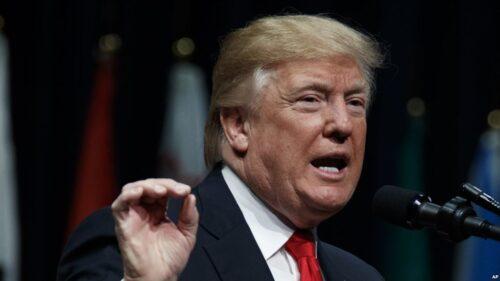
233	121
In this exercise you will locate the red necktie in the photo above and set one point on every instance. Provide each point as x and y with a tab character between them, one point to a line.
301	247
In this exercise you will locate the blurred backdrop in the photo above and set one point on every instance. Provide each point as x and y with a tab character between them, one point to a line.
98	93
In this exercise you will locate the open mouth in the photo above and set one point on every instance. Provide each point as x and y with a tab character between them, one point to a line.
330	164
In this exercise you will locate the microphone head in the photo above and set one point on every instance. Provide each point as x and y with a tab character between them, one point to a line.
396	205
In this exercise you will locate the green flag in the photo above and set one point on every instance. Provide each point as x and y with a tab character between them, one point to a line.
9	220
406	252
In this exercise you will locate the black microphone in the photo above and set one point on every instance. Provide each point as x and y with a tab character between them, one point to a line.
454	221
480	197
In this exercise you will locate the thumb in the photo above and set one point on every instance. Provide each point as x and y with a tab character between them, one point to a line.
188	217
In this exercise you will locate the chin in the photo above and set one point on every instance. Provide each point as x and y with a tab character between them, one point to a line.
309	222
306	223
328	204
310	218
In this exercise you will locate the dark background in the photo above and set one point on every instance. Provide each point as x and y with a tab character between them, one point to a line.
446	54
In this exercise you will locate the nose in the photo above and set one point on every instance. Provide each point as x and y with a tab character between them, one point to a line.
338	124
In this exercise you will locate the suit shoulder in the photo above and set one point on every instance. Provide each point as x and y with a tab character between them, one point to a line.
92	250
100	222
353	267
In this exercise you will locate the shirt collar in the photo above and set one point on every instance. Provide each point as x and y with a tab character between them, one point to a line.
269	231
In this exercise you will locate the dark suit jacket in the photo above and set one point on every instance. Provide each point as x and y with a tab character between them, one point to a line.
225	248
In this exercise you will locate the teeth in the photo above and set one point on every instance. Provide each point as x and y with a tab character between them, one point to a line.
329	169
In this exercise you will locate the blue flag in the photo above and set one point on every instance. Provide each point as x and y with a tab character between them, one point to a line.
181	151
477	258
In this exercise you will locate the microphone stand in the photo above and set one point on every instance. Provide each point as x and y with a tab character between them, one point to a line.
456	220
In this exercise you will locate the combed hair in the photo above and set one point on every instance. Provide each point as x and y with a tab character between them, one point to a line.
247	51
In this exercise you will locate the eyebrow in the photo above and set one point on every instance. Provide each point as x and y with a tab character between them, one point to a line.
315	86
358	88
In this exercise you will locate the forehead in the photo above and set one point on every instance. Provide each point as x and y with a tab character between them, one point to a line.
338	73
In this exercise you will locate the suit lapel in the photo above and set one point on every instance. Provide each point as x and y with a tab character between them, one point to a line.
235	254
237	257
328	265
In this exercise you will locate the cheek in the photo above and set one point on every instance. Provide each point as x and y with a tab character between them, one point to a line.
360	136
359	140
303	131
290	135
282	141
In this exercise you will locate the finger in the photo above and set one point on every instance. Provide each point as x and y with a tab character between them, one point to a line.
136	192
155	193
129	196
188	217
175	189
149	191
153	190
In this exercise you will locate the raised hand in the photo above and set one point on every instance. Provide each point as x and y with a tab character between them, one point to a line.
154	248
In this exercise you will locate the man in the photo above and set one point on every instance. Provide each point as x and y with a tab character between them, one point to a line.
285	138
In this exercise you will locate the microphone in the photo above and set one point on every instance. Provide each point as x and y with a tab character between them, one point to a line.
480	197
454	221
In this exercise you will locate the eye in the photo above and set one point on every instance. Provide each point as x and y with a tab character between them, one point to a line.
310	99
357	102
309	102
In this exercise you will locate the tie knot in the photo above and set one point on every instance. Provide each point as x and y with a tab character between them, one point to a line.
300	245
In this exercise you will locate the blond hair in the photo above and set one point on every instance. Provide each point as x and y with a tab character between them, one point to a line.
247	51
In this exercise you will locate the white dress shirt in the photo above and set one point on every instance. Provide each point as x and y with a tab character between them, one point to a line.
268	230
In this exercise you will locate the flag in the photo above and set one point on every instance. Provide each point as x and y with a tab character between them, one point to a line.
477	258
9	220
407	252
181	152
95	177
